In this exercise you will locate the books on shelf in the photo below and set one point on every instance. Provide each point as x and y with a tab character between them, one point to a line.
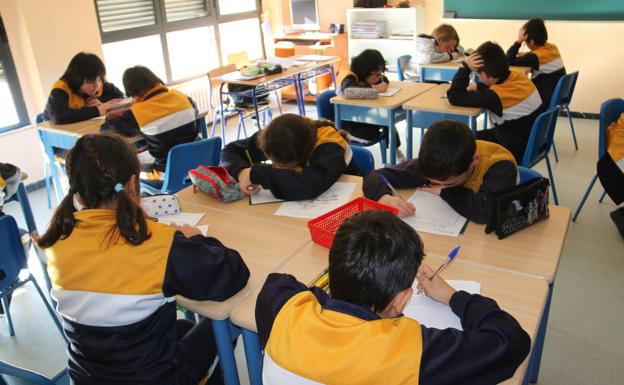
368	29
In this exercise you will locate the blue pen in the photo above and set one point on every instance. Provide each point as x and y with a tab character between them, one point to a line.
387	182
450	259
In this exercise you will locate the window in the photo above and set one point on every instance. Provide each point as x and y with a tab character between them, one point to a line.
12	109
176	38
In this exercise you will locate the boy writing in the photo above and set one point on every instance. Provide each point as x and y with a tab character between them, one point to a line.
453	165
358	335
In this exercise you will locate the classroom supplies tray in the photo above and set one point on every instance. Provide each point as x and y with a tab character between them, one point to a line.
323	228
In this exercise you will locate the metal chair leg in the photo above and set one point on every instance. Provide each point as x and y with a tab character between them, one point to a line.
571	126
602	197
552	181
580	206
5	306
48	307
554	147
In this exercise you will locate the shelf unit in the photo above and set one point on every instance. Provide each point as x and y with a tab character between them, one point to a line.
399	20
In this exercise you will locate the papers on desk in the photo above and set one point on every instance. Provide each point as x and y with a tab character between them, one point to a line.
315	58
434	215
236	75
263	196
389	92
191	219
433	314
337	195
285	62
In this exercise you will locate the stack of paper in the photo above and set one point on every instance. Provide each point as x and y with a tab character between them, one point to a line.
368	29
263	196
434	215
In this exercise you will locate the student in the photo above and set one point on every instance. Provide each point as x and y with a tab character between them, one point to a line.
367	70
544	58
453	165
509	96
307	157
358	334
115	275
611	170
441	46
164	117
82	92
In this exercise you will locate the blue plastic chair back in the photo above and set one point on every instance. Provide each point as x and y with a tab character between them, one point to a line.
324	108
564	90
187	156
363	159
541	138
30	376
527	174
12	255
402	62
610	111
39	118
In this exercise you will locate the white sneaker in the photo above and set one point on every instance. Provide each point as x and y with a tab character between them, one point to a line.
400	157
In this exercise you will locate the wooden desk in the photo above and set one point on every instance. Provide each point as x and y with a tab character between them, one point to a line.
525	305
383	111
444	72
315	43
432	106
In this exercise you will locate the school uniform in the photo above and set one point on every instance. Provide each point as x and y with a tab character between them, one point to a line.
311	338
546	65
118	301
363	132
495	171
427	52
330	158
164	117
611	166
10	177
513	103
66	106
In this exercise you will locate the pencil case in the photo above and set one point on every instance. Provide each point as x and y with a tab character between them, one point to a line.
360	93
217	182
158	205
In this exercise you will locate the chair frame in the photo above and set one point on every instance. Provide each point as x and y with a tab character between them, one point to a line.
561	97
363	159
402	62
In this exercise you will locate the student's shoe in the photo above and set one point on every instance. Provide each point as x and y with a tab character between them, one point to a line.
617	216
400	157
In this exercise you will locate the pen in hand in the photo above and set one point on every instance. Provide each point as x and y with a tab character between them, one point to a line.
249	157
450	259
393	191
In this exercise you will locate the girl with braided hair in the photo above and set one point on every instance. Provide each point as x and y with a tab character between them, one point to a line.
115	275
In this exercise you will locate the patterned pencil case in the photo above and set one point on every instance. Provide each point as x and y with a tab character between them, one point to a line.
158	205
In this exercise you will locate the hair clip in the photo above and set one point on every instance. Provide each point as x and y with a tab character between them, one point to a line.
118	187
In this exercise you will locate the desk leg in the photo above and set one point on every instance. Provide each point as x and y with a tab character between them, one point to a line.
392	134
253	354
473	125
337	119
298	83
225	350
255	104
333	74
409	139
536	357
49	150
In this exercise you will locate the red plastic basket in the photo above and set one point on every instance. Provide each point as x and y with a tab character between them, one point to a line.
323	228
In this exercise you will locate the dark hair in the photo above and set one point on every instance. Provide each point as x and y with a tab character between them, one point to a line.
374	256
368	61
83	66
536	31
495	62
95	165
446	150
290	138
139	79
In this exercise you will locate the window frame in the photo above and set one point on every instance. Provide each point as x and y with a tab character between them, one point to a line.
14	84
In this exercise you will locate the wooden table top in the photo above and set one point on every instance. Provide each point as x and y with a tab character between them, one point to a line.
91	126
454	64
408	90
435	100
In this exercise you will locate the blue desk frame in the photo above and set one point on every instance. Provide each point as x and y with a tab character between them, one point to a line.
424	119
438	74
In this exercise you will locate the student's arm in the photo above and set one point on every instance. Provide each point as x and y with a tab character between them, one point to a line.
326	165
277	290
483	97
528	60
351	81
58	111
473	205
403	175
488	350
125	125
203	269
109	92
234	158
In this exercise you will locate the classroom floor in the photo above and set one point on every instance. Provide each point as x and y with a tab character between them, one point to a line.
584	338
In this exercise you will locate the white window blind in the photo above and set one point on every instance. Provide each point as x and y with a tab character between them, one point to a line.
116	15
186	9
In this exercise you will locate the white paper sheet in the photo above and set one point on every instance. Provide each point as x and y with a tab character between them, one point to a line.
315	58
434	314
337	195
203	229
434	215
191	219
263	196
389	92
236	75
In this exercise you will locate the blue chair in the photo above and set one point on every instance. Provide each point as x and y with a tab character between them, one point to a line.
12	262
363	159
325	110
610	111
402	62
11	371
181	159
540	142
561	97
526	174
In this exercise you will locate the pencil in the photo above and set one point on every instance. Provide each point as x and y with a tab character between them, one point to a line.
249	157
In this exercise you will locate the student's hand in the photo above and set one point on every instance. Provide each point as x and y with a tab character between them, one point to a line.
188	231
244	182
437	288
474	61
521	35
433	189
93	101
471	87
381	87
405	208
455	55
103	108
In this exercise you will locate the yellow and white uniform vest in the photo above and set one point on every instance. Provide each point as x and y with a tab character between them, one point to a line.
615	142
518	95
75	101
163	112
489	153
549	59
